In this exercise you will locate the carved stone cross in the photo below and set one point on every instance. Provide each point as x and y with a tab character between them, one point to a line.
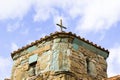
61	26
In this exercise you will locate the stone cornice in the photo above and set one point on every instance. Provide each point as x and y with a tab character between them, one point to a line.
58	34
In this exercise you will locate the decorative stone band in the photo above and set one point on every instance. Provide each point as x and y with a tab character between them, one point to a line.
76	41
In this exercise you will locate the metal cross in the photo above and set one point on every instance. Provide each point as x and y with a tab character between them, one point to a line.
61	26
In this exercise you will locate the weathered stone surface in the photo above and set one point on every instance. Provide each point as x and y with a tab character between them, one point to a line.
90	47
18	74
54	62
42	49
39	78
24	61
45	60
33	58
60	46
92	69
25	67
15	56
57	40
64	40
31	72
60	58
31	49
113	78
75	47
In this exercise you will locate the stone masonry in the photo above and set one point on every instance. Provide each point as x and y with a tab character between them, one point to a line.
60	56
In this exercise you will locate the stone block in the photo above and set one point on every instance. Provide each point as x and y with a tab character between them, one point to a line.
102	60
81	55
31	78
60	59
44	61
23	53
31	72
24	61
76	41
64	40
69	46
33	58
68	52
55	46
54	62
15	56
31	49
48	43
57	40
18	74
92	69
75	46
25	66
42	49
60	46
17	62
39	78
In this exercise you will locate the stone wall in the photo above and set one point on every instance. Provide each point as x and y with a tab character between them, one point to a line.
59	58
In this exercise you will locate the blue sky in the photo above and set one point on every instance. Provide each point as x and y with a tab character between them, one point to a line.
24	21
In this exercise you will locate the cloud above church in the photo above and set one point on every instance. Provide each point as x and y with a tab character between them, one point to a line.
92	15
12	9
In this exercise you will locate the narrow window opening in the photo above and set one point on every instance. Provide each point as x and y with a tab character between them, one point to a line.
87	62
32	69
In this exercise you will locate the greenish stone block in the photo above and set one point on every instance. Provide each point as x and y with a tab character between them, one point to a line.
33	58
75	46
76	41
31	49
90	47
54	63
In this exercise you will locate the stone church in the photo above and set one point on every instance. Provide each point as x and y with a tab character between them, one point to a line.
60	56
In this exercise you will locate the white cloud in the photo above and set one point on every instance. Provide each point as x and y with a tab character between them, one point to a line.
14	26
10	9
100	15
14	46
94	15
114	61
5	67
46	9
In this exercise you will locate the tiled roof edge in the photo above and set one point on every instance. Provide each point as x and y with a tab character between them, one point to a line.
53	34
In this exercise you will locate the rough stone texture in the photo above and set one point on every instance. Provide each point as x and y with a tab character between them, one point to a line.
61	57
6	79
113	78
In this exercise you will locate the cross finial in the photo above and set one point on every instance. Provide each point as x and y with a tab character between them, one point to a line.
61	26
